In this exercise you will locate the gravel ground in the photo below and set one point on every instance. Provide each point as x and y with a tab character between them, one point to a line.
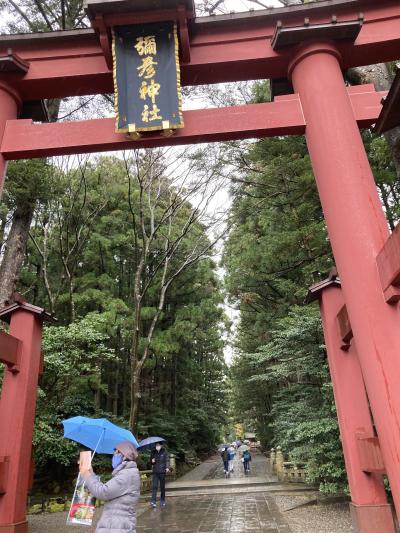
322	518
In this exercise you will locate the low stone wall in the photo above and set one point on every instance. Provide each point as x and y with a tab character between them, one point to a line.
62	503
287	471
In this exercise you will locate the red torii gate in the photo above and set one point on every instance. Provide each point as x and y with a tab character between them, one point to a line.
360	318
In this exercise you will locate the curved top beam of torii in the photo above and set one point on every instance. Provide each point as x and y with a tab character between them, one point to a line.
223	48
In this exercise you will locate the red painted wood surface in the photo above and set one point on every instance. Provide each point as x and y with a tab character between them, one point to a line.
284	116
357	230
17	414
346	333
372	518
10	349
9	107
370	454
367	490
72	63
4	465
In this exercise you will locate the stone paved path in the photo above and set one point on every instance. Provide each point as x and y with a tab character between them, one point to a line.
215	514
258	468
239	504
218	513
249	509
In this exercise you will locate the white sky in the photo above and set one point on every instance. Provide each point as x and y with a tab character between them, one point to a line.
223	197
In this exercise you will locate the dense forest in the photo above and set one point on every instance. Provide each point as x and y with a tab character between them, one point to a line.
83	260
133	256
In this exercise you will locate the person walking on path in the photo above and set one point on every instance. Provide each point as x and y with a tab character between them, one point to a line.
246	461
160	466
120	494
231	452
225	460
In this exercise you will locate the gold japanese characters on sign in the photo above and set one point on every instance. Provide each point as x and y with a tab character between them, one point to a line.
147	77
147	46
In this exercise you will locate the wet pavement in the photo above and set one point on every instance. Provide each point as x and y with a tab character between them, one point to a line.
219	513
259	468
215	514
250	508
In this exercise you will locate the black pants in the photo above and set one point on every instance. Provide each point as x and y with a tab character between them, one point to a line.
158	478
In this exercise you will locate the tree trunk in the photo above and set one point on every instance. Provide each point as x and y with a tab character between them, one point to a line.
174	384
14	252
97	395
110	388
17	239
125	382
135	398
116	389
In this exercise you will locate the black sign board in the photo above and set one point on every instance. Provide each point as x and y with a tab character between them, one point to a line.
147	77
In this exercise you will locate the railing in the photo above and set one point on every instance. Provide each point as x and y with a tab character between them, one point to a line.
145	480
287	471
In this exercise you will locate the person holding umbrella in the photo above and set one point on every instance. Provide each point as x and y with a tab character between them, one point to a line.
225	460
120	494
160	465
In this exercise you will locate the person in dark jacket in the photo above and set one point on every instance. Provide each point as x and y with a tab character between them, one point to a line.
120	494
246	461
225	460
160	465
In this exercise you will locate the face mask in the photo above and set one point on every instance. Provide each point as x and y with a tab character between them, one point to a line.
116	461
158	448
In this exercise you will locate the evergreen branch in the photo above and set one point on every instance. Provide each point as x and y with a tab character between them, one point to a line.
22	15
43	13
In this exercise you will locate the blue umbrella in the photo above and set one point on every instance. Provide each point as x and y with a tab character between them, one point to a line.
98	434
149	443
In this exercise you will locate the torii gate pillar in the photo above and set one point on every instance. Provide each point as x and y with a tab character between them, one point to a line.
358	230
10	104
369	508
21	351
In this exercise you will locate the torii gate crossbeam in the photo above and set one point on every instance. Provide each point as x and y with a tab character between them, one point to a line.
284	116
222	49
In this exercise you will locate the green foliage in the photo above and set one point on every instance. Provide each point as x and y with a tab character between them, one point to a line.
28	181
303	416
81	263
277	247
49	446
73	355
383	166
77	347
